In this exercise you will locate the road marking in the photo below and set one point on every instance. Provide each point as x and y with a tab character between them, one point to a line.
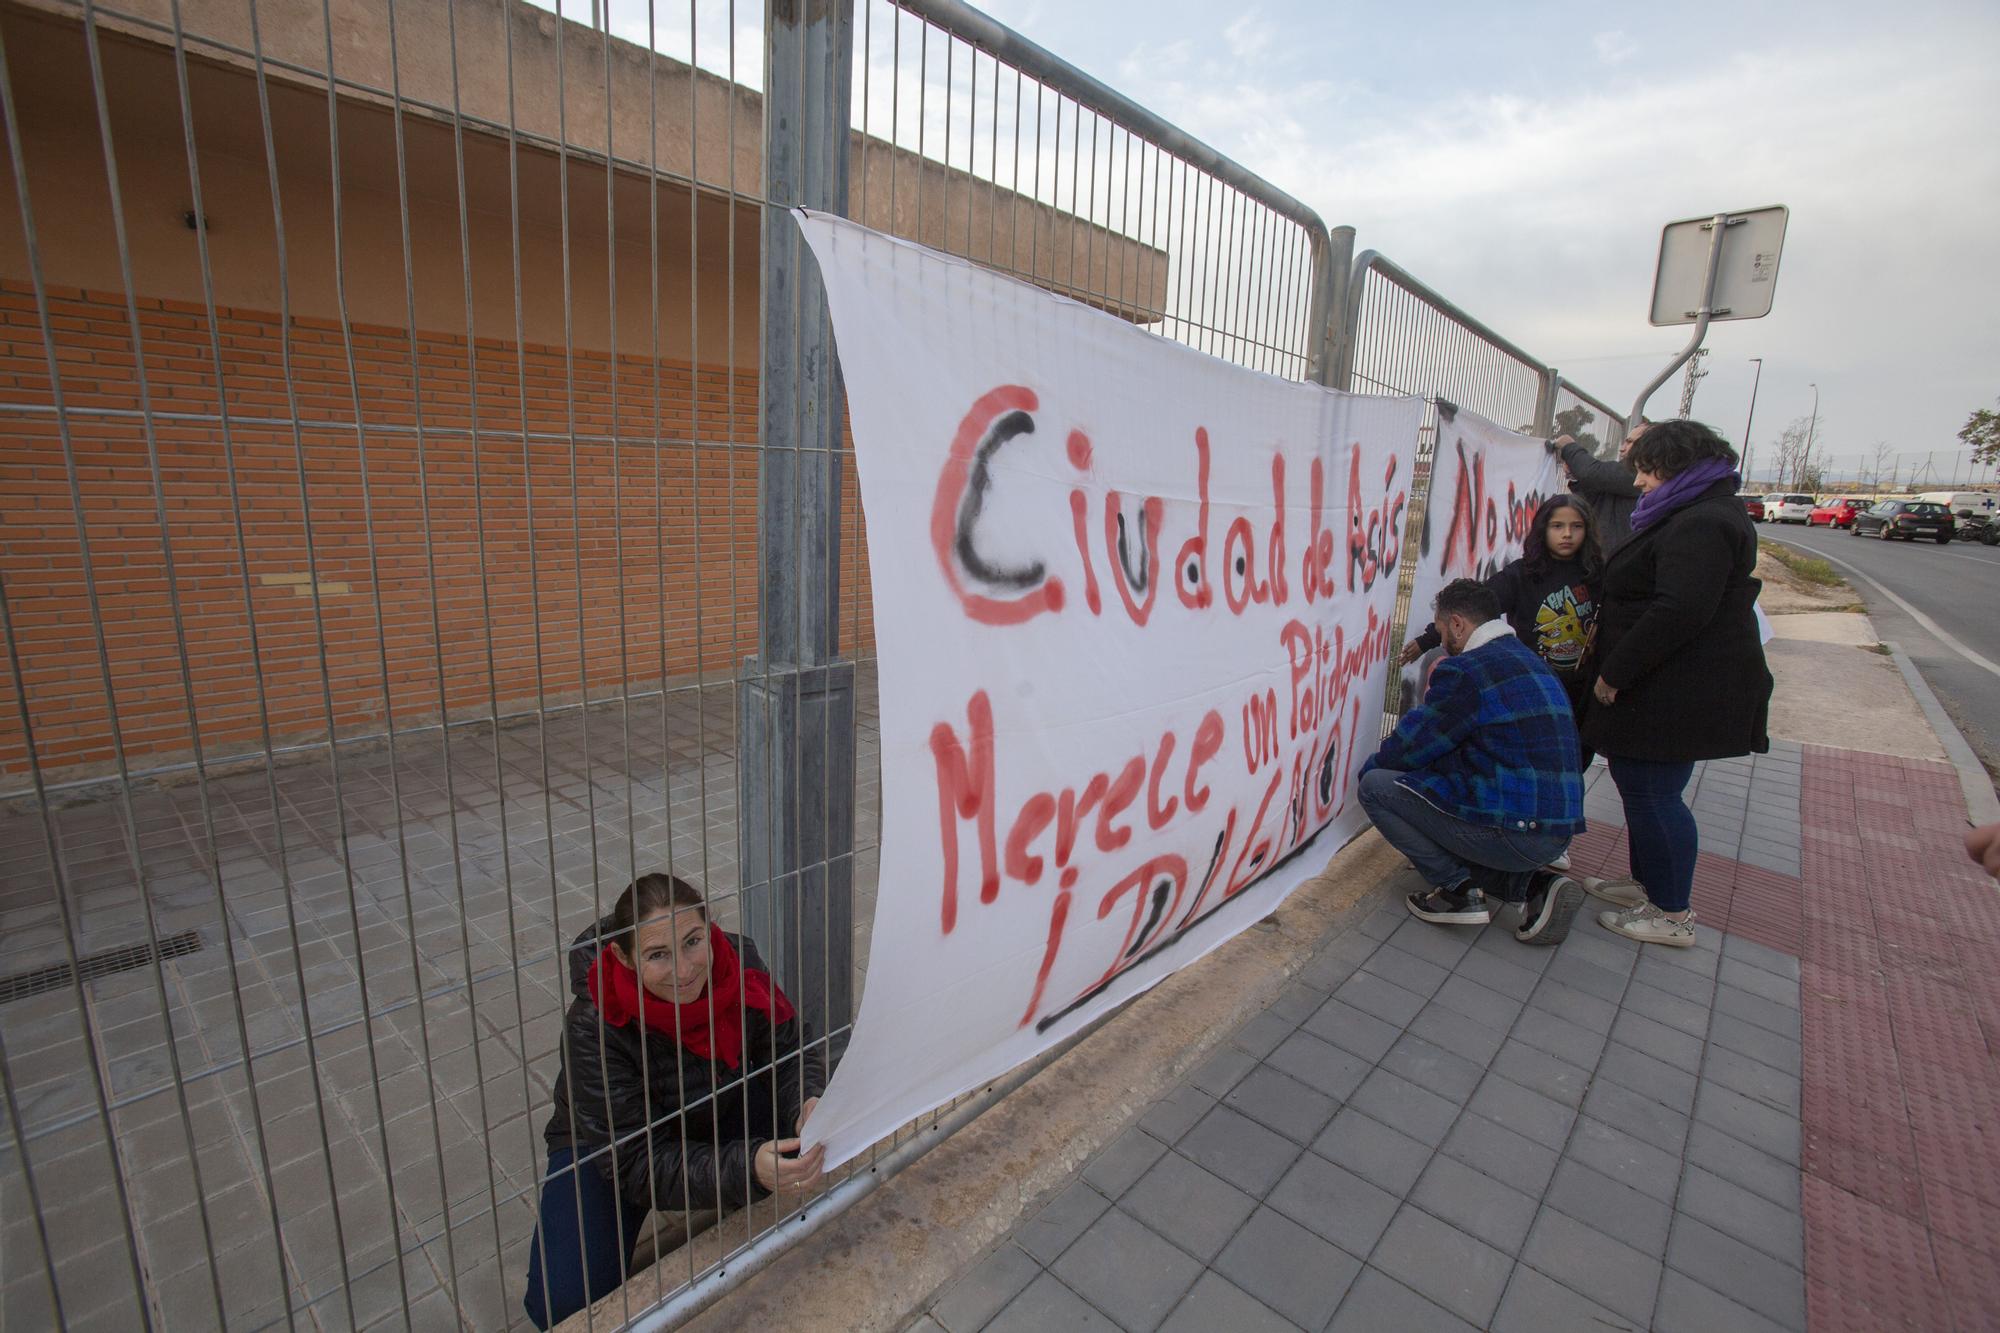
1937	630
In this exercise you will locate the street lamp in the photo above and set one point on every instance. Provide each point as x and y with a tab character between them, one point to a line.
1811	426
1759	362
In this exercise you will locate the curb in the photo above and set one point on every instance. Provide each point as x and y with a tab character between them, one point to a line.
881	1261
1981	802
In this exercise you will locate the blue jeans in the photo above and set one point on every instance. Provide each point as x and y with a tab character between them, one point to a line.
586	1257
1660	834
1448	851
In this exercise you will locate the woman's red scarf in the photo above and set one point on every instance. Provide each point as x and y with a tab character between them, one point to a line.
710	1025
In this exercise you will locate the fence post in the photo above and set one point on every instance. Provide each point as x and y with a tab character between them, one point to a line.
1332	362
795	697
1545	404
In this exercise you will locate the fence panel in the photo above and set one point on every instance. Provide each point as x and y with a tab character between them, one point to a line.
383	452
1596	426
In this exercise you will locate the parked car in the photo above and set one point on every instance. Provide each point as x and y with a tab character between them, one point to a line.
1908	519
1839	512
1753	505
1788	508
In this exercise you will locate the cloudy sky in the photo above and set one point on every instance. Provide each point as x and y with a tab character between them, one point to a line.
1522	159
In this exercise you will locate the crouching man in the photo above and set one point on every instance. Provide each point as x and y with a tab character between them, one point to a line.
1478	785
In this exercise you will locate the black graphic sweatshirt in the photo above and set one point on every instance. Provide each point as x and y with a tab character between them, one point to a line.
1554	612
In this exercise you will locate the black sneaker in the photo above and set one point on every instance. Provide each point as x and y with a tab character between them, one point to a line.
1551	906
1462	906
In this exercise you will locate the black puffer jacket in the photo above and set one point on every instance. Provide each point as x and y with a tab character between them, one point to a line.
702	1139
1677	636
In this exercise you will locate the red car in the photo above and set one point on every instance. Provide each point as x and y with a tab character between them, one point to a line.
1753	505
1838	513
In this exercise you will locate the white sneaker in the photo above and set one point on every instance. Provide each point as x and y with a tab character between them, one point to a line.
1560	861
1623	891
1649	925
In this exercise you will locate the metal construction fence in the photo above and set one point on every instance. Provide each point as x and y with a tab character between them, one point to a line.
426	510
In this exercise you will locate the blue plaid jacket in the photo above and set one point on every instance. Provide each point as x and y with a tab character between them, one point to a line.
1493	742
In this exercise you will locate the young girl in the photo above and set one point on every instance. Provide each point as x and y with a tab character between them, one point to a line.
682	1073
1549	596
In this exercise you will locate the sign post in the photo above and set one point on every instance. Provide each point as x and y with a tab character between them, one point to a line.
1719	267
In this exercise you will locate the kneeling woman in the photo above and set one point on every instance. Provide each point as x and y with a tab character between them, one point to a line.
682	1086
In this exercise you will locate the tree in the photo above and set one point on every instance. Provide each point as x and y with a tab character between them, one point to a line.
1982	432
1792	445
1884	467
1572	421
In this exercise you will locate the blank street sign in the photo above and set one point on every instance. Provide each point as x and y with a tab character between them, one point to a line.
1745	280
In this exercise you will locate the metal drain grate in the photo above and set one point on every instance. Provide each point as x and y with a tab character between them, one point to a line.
109	963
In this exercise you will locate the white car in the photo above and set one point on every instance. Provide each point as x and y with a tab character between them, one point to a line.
1788	508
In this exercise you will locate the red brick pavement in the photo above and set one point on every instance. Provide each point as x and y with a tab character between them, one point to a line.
1899	975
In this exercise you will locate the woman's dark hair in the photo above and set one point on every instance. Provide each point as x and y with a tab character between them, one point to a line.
1535	549
1672	447
646	897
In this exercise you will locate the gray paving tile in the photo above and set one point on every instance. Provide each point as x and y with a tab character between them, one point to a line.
1431	1066
1536	1069
1686	1306
1637	1114
1126	1271
1377	1302
1732	1159
1295	1272
984	1291
1772	986
1335	1203
1218	1074
1535	1303
1736	1002
1625	1159
1336	958
1559	1037
1677	1048
1261	1035
1746	1276
1048	1304
1417	975
1383	922
1193	1208
1456	1033
1497	974
1122	1161
1373	1151
1049	1232
1482	1004
1475	1203
1297	1003
1319	1064
1780	1052
1752	1078
1372	995
1498	941
1279	1102
1730	1208
1176	1113
1613	953
1443	945
1655	970
1501	1153
1579	1007
1656	1080
1619	1211
1671	1010
926	1324
1240	1150
1402	1105
1445	1265
1352	1030
1526	1112
1217	1303
1588	1262
1763	1127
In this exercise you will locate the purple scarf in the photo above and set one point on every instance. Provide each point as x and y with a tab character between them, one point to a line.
1680	492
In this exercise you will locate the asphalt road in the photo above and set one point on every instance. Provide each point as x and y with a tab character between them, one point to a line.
1941	603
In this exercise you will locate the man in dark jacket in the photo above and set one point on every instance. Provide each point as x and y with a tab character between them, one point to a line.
1608	486
1478	785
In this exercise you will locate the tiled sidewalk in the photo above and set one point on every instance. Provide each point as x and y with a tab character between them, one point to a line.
1443	1128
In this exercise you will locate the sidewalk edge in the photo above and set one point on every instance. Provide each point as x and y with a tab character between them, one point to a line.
885	1257
1981	801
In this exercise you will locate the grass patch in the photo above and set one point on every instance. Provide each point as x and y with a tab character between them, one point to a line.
1807	568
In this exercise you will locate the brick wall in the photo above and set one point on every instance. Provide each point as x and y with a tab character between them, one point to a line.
669	527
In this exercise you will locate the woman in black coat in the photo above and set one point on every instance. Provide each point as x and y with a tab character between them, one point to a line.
683	1086
1681	674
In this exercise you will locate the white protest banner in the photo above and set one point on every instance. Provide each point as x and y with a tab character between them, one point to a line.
1486	483
1132	605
